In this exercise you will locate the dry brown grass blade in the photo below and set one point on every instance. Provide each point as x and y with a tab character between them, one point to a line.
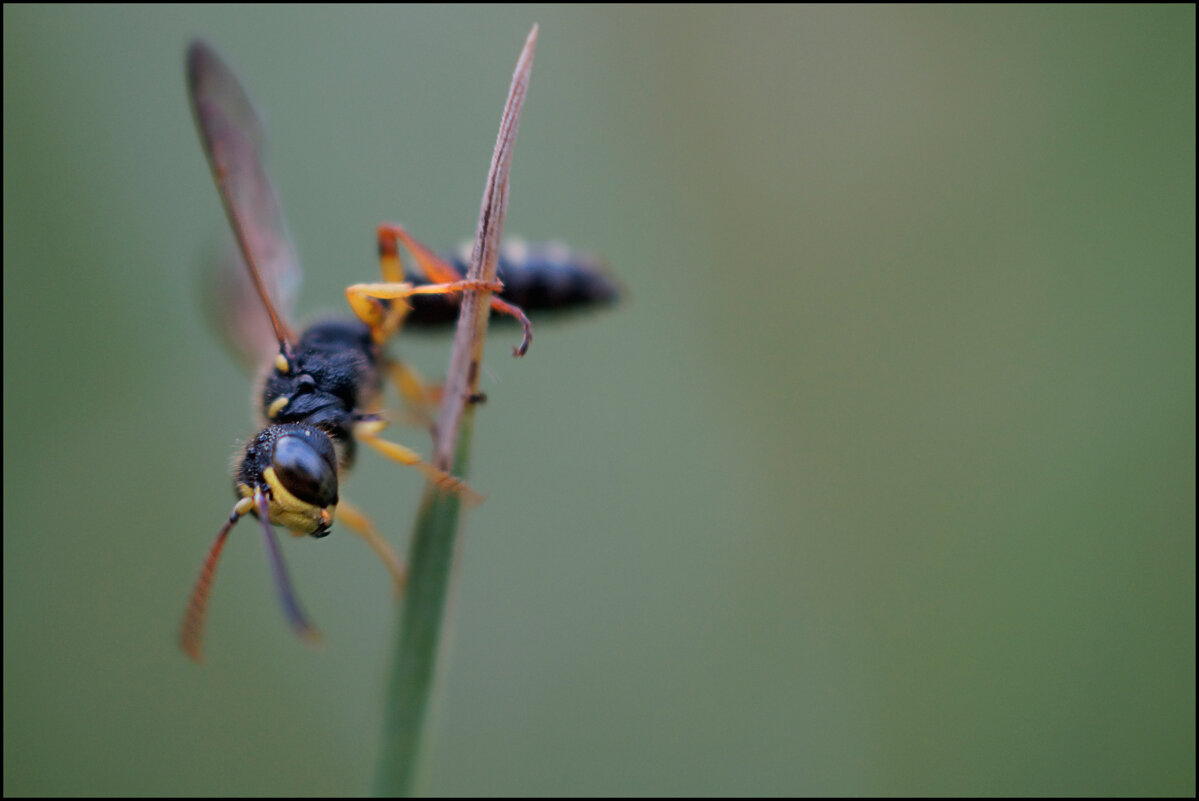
462	378
431	553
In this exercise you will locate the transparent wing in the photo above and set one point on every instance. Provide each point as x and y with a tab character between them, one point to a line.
233	309
232	138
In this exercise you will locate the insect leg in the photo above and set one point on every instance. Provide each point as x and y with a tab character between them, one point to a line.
384	320
420	397
362	525
368	432
437	270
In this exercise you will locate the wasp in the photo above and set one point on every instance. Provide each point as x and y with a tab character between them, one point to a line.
321	390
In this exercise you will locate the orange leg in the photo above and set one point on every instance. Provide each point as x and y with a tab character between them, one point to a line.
383	319
437	270
362	525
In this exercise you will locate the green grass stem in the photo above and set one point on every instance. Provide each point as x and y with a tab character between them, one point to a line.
433	545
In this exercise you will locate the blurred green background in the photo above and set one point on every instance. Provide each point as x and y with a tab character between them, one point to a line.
882	481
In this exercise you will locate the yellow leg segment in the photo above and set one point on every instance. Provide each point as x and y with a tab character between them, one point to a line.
368	432
420	397
389	237
393	273
411	386
361	524
384	320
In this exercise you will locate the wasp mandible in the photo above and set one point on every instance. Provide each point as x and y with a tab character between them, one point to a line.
321	390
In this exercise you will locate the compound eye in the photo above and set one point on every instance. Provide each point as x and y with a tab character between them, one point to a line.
304	472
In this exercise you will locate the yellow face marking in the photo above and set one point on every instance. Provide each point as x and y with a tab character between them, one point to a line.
281	364
276	406
290	512
247	499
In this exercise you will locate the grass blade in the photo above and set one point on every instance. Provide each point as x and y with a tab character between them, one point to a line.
431	553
